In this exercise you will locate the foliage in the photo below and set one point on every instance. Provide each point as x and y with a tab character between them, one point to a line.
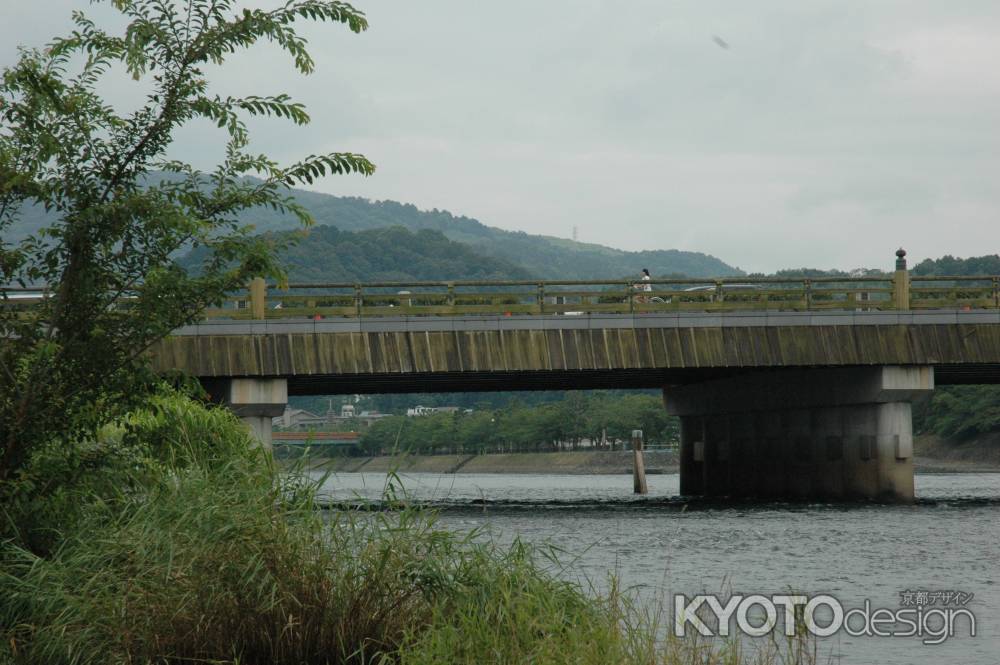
949	265
219	566
381	255
120	208
516	616
210	556
202	553
59	480
517	428
959	411
814	273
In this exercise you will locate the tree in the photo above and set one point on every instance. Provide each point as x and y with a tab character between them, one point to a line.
949	265
959	411
477	432
124	209
383	436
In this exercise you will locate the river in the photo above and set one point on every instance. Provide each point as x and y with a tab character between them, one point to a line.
948	541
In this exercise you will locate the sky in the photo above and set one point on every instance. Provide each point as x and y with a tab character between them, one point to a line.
772	134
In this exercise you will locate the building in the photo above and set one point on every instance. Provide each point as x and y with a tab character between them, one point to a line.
428	410
300	419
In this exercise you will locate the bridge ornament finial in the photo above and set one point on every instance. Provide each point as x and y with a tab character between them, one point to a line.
900	259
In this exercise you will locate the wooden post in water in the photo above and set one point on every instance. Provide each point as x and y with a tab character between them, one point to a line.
638	467
258	297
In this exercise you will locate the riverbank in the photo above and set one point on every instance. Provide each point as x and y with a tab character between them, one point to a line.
931	455
571	463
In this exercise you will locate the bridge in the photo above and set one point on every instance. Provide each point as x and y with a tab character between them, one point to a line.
313	439
785	387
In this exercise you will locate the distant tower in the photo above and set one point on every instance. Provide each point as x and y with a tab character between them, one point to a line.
576	235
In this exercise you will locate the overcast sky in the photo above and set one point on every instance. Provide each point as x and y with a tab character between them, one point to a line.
773	133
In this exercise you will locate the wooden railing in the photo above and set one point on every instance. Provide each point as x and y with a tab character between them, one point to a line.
896	291
511	298
954	292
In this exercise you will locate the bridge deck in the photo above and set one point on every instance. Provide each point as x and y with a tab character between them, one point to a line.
586	321
438	353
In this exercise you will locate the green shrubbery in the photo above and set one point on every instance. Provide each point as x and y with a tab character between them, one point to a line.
959	411
196	550
192	548
514	614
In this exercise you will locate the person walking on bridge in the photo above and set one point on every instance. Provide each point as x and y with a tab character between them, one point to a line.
644	287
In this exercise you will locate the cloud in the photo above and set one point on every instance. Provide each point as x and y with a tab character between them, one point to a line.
884	196
829	133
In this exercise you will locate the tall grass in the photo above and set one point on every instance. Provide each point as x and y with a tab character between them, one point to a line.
205	554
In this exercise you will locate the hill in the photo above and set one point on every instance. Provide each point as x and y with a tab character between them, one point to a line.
544	257
328	254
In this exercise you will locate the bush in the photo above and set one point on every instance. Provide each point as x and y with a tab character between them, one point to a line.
511	613
206	554
60	478
959	411
210	556
209	567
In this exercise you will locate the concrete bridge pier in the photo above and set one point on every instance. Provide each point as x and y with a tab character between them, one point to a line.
255	400
826	434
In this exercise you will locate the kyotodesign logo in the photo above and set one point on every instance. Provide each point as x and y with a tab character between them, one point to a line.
932	616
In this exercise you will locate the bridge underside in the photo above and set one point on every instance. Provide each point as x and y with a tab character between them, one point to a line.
853	442
443	382
841	433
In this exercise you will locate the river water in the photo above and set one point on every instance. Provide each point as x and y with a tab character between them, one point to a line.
661	546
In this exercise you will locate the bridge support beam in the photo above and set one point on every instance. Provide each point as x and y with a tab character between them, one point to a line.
828	434
255	401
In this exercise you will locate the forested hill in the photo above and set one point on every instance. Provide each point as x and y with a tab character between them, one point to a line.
542	256
545	256
328	254
390	254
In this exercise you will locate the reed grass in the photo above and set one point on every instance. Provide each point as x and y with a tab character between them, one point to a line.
201	552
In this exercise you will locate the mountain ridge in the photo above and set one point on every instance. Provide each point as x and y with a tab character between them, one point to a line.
543	256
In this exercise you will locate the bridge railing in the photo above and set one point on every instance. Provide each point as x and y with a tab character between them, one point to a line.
570	297
954	292
881	292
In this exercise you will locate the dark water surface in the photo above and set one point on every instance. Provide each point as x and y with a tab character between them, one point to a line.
948	541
